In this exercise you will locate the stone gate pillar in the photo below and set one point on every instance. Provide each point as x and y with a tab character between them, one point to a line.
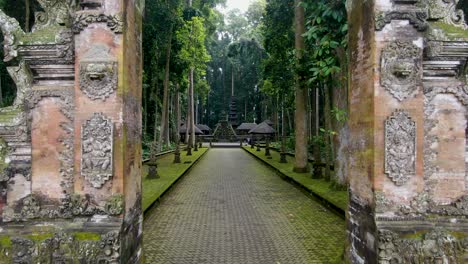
70	146
408	153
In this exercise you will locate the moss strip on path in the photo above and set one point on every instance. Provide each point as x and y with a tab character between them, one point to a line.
169	173
318	187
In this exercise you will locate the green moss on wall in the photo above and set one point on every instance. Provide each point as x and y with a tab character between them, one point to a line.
5	242
451	31
87	236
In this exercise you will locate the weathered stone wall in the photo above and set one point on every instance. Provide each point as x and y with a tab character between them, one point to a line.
408	162
71	144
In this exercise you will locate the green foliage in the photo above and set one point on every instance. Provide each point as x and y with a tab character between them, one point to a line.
326	35
193	51
278	34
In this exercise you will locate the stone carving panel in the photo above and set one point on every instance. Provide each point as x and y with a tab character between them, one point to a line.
97	149
56	12
433	247
34	207
65	248
400	147
401	69
447	12
98	80
416	18
83	20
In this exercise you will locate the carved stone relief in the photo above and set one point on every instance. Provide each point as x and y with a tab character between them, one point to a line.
56	12
98	80
400	147
416	18
447	12
96	150
436	246
72	205
401	69
66	248
83	20
11	30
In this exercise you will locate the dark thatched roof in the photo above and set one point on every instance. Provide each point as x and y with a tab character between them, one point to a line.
246	126
203	127
268	121
183	129
262	128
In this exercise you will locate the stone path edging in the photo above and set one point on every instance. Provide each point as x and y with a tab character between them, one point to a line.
175	181
290	179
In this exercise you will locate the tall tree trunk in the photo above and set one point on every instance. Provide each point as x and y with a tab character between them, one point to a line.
192	112
290	125
301	161
315	131
165	108
27	24
328	127
197	121
167	134
145	108
1	93
177	109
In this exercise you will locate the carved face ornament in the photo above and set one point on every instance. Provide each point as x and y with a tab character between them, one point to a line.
98	79
401	69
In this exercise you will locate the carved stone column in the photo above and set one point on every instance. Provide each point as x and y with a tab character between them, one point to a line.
408	153
70	147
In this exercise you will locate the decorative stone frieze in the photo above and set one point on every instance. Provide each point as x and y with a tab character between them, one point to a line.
400	147
56	13
436	246
66	248
96	150
33	207
98	80
447	11
416	18
12	31
83	20
401	69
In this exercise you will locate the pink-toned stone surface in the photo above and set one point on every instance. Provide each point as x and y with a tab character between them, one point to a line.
386	105
450	179
98	43
45	135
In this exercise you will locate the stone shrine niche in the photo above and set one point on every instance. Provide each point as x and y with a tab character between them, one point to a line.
446	112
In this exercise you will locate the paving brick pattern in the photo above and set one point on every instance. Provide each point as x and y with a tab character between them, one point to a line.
232	209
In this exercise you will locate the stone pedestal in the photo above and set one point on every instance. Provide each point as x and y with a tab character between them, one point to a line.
408	153
71	166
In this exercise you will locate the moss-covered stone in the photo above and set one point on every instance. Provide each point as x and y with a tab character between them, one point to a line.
87	236
450	31
46	35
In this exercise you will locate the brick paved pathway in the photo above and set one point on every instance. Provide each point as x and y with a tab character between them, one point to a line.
232	209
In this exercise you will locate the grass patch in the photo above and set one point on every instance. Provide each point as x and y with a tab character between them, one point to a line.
169	173
319	187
